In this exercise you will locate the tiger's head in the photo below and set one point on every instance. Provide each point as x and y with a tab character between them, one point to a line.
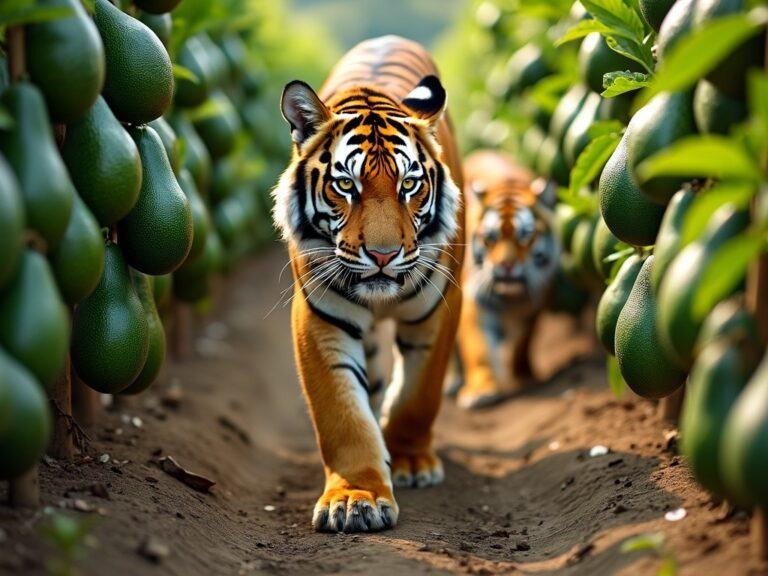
514	252
366	198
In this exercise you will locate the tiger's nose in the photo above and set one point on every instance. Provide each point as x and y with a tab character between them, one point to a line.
382	257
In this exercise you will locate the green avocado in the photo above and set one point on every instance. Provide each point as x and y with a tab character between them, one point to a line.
676	25
631	216
194	57
170	142
643	361
34	322
218	124
565	296
667	118
678	327
162	287
12	221
729	318
669	239
613	300
28	430
31	151
654	11
525	68
567	109
160	24
743	465
156	235
156	336
730	75
581	249
65	60
139	83
110	337
566	219
715	111
603	245
236	53
104	164
201	219
596	59
196	158
192	282
577	135
78	260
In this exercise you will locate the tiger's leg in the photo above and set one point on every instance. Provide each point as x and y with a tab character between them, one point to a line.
481	345
358	487
378	344
522	371
414	397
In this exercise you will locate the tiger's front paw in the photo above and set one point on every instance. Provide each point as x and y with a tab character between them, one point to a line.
416	470
347	509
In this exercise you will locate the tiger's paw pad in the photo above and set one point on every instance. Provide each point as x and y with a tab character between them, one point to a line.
417	471
353	511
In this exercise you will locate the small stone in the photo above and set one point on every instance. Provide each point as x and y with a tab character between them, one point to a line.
137	422
154	550
675	515
104	458
598	450
269	508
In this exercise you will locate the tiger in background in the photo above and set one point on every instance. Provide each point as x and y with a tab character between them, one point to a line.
370	207
511	262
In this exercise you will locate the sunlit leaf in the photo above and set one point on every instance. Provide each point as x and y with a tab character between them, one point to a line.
640	52
182	73
700	51
617	83
618	16
726	269
707	202
653	542
581	29
615	381
28	12
701	156
591	161
668	566
602	127
6	120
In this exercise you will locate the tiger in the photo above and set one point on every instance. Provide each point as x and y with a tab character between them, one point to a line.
371	210
511	263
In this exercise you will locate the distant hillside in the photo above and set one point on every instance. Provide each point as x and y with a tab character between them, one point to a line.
350	21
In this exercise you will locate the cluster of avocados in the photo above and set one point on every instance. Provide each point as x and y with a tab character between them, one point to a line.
121	187
623	235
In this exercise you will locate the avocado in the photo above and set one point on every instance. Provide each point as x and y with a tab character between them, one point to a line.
65	60
230	218
627	212
654	11
201	219
160	24
643	361
219	66
603	245
717	378
728	318
192	282
104	164
139	82
616	108
525	68
218	124
78	260
669	239
196	157
110	336
156	335
194	57
156	6
730	75
34	323
667	118
12	221
577	135
567	109
170	142
162	287
676	25
678	327
156	235
743	466
596	59
613	300
224	178
565	296
28	430
236	52
566	219
31	151
714	111
581	249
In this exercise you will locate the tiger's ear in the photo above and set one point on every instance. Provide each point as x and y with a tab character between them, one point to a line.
427	100
303	110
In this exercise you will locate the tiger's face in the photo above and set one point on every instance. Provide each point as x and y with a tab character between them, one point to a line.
366	198
514	251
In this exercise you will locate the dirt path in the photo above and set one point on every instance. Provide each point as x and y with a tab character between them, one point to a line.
522	492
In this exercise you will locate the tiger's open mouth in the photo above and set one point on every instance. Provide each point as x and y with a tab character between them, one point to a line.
381	278
509	287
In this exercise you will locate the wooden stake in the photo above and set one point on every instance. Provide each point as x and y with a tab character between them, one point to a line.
759	530
670	406
85	402
17	66
62	446
24	491
182	331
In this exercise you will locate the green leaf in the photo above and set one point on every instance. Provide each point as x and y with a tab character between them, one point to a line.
182	73
618	16
640	52
707	202
726	269
28	13
653	542
581	29
668	566
758	106
701	156
602	127
617	83
591	161
699	52
6	120
547	92
615	381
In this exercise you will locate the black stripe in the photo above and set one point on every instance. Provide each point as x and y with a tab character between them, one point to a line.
352	330
406	347
429	312
360	375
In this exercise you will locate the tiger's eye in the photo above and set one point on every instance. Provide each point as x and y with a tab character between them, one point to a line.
408	184
345	184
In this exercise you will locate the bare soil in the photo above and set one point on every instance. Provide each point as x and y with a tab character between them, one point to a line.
522	493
